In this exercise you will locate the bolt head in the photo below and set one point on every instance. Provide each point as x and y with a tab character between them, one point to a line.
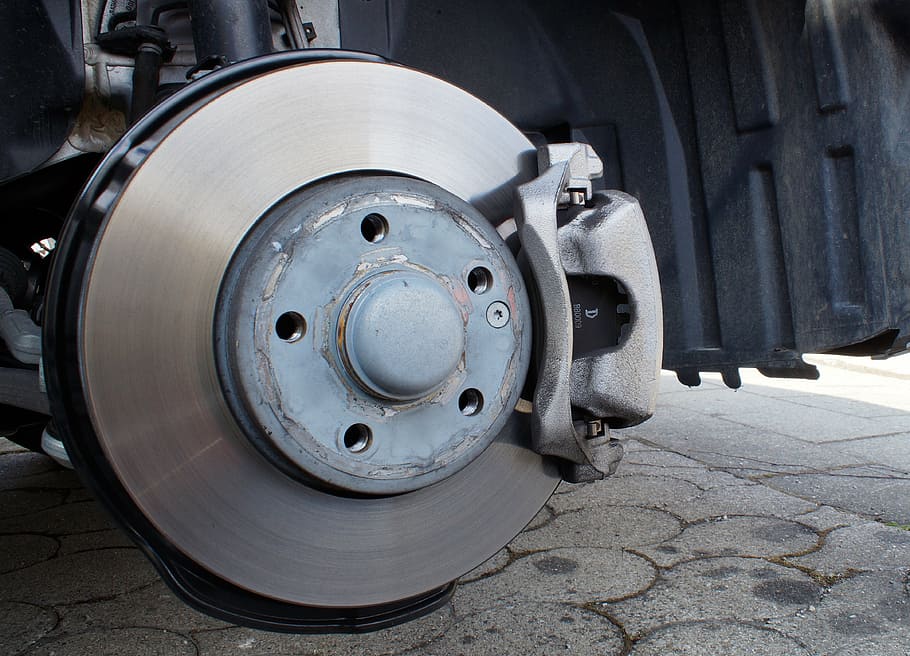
498	314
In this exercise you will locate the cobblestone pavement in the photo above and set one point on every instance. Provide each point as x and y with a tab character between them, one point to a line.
770	520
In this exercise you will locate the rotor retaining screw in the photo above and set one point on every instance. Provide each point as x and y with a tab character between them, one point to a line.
498	314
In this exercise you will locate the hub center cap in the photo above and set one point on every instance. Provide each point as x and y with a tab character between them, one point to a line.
403	335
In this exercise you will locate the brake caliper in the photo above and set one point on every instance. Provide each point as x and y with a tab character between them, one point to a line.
587	251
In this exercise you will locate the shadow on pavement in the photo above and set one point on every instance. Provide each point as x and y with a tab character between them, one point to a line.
769	520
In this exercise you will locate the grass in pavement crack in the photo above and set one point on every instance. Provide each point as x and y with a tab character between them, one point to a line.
903	527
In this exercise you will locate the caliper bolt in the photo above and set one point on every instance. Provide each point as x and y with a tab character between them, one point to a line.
498	314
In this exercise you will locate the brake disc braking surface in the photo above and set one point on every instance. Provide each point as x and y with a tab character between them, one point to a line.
131	368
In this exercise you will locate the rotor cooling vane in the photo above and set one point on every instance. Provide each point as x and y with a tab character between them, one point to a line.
286	341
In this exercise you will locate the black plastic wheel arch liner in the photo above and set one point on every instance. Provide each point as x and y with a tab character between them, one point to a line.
42	77
192	583
767	141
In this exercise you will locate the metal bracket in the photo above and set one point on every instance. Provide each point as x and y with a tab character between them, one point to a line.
17	330
605	236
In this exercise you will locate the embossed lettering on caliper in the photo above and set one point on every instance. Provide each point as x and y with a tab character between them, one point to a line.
585	248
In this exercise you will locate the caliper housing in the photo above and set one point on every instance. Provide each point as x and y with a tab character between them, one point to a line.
597	240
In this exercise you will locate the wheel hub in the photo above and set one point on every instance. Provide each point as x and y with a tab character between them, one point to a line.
358	351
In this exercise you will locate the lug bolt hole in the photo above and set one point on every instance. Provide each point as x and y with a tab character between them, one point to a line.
470	402
358	438
374	228
480	280
290	326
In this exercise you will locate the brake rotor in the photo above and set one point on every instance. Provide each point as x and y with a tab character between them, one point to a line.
152	416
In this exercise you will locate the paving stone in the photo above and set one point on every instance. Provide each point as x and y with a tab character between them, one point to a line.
654	491
699	476
21	625
103	539
633	448
27	469
738	500
894	367
714	638
119	642
249	642
492	565
65	519
888	644
722	443
826	518
56	478
868	546
740	589
881	392
523	628
815	424
758	537
845	376
15	503
723	402
153	606
663	459
22	550
834	383
567	488
79	494
540	519
856	612
78	577
693	459
577	575
873	492
599	526
890	450
851	406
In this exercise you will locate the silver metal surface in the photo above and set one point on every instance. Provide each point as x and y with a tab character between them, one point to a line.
580	164
17	330
147	352
552	430
356	304
323	14
498	314
609	239
53	447
404	335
